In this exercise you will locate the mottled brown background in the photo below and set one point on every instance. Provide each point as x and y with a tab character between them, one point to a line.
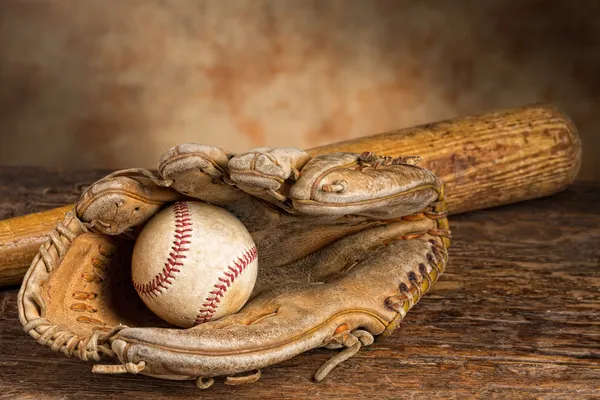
113	83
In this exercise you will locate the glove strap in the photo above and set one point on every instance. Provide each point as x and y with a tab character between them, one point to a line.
127	368
353	342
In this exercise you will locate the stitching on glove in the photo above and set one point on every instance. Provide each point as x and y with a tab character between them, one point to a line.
210	305
47	334
437	259
183	223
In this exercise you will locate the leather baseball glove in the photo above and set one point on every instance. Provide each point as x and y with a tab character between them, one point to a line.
347	244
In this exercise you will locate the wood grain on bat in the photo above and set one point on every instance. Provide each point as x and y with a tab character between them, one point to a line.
488	160
20	240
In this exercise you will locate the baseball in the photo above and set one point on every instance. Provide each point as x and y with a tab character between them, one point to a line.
194	262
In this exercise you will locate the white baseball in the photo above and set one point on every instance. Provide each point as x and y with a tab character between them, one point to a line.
194	262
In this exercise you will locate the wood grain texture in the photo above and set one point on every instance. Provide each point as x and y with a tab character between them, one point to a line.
22	239
484	161
515	316
487	160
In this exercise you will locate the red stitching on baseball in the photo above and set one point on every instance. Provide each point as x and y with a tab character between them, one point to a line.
209	307
183	222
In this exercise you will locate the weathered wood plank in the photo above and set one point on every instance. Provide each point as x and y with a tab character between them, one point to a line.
516	315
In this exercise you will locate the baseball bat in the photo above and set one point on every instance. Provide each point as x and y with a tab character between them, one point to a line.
484	161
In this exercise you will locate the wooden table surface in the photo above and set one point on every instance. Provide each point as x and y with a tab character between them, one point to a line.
516	315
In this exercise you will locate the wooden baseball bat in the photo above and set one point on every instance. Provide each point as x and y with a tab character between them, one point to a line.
485	161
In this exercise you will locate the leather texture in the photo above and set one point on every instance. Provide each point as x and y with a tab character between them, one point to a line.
347	245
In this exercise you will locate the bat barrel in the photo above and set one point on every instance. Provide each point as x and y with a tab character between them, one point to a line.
487	160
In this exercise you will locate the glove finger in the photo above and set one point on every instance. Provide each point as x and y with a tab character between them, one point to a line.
202	172
267	172
123	200
199	171
364	185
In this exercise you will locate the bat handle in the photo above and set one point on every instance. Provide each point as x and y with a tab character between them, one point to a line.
20	240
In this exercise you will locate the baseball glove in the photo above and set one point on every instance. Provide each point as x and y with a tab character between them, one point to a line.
347	244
